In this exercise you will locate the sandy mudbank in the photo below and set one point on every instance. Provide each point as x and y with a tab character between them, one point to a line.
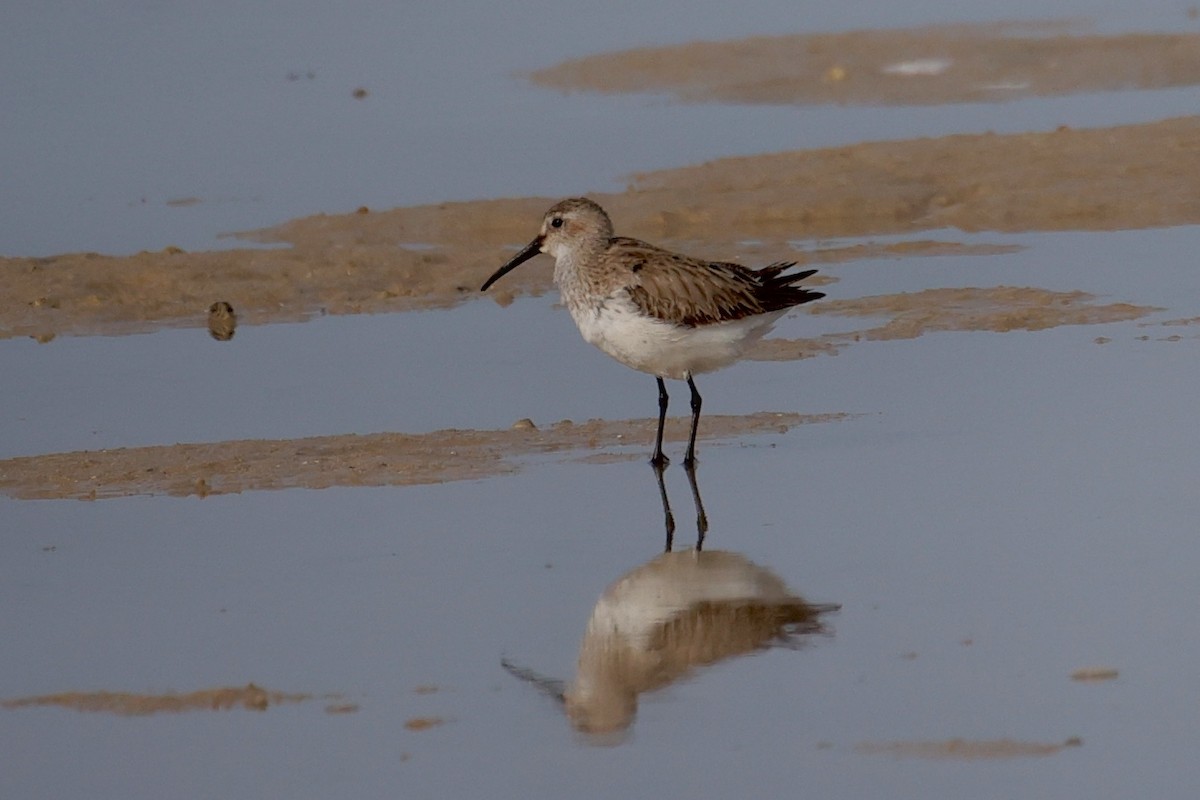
986	63
754	209
382	459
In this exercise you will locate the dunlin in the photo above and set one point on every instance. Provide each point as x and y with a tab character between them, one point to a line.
662	621
656	311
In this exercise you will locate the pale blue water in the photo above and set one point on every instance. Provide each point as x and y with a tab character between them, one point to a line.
1005	509
112	111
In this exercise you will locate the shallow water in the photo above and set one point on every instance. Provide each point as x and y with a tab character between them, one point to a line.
1019	507
1001	510
362	374
128	128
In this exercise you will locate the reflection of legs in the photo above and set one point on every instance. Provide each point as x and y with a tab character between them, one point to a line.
690	458
658	459
668	517
701	517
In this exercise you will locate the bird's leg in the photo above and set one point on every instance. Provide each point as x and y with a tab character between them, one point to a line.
658	459
668	517
690	458
701	517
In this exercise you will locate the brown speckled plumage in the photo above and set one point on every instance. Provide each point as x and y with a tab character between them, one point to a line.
687	291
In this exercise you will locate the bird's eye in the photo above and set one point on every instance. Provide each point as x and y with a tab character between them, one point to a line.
556	222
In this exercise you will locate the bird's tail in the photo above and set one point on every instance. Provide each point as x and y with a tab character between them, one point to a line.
781	288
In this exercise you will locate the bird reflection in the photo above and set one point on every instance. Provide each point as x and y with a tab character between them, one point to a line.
662	620
222	321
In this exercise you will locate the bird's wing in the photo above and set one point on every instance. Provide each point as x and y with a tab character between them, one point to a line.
688	291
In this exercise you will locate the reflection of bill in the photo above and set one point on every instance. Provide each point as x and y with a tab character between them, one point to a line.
222	321
679	611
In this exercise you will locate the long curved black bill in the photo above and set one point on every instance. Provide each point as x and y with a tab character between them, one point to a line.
531	250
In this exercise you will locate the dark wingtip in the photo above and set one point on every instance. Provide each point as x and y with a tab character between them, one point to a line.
784	291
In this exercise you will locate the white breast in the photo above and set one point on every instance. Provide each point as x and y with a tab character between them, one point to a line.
619	328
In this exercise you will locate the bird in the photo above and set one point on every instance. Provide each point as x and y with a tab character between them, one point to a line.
660	312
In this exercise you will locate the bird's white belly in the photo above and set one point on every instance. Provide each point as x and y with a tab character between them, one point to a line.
660	348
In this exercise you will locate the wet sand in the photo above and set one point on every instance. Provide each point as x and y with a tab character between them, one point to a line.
382	459
923	66
746	209
967	749
128	704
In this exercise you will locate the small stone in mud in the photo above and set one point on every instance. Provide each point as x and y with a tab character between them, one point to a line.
525	424
360	93
222	321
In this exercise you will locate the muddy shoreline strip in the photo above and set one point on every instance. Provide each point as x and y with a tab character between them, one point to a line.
754	209
129	704
988	63
381	459
967	749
